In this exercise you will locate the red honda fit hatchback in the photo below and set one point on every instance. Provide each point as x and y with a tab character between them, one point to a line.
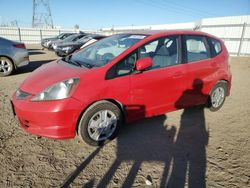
123	78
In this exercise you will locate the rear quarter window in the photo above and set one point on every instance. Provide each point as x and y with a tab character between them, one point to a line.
215	46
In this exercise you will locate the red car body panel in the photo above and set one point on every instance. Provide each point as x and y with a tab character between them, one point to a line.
49	74
55	119
141	95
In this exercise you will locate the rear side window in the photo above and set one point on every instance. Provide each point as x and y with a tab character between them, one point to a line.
196	48
215	45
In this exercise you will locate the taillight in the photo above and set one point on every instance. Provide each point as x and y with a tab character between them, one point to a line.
19	45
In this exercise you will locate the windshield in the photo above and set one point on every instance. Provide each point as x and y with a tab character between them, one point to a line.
60	36
70	38
84	39
103	51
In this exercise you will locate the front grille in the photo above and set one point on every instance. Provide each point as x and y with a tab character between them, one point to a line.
21	95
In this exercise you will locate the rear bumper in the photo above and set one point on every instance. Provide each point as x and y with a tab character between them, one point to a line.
21	58
52	119
24	63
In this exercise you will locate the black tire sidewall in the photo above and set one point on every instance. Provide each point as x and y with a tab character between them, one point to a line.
224	86
88	114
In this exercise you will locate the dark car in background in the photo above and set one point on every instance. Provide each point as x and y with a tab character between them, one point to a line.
67	48
71	38
12	55
46	42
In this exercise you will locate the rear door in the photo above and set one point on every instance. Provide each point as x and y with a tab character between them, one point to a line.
200	69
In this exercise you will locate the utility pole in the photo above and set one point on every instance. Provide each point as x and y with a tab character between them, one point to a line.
41	17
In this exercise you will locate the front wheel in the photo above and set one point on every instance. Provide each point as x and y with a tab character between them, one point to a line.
217	96
100	123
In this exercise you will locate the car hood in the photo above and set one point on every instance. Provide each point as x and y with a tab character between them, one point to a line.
68	44
47	39
49	74
57	41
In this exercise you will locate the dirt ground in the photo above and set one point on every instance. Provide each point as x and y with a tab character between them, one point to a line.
192	147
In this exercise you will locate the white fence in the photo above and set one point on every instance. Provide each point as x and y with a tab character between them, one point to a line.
29	35
234	30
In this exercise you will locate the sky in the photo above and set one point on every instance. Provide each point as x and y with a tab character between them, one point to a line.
96	14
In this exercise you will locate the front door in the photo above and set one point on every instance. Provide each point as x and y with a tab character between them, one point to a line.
160	87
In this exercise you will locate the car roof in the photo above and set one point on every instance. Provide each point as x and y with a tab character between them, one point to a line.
170	32
7	40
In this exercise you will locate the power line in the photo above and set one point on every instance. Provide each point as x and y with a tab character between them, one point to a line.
42	14
176	5
169	7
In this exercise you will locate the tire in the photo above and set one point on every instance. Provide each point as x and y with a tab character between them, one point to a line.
102	117
6	66
217	96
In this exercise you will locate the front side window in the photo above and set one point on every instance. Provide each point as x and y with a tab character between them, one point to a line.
163	51
196	48
102	52
126	66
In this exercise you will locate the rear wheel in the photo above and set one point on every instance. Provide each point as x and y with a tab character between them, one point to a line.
100	123
6	66
217	96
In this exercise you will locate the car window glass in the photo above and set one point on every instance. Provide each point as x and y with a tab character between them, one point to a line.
126	66
196	48
149	48
216	45
163	51
104	51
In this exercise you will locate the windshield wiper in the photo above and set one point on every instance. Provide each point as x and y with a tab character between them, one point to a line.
87	65
68	60
78	63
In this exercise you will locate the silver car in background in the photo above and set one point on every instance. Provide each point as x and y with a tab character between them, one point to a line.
12	55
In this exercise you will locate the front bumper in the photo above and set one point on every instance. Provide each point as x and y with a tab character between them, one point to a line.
52	119
46	44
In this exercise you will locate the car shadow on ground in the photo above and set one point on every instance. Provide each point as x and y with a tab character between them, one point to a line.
152	140
33	52
33	65
33	49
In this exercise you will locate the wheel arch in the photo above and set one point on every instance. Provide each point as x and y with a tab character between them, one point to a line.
223	81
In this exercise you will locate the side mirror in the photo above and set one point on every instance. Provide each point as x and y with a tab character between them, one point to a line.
143	63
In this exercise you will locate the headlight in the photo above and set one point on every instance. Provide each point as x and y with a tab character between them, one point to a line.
21	95
54	46
67	48
60	90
